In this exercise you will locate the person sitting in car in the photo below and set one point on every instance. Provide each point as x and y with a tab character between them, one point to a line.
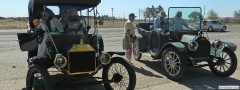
72	23
159	22
178	22
48	25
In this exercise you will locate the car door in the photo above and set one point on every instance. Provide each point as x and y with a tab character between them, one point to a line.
219	25
213	24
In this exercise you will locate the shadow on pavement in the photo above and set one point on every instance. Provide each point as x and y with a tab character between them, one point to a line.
155	65
145	72
85	86
195	78
217	31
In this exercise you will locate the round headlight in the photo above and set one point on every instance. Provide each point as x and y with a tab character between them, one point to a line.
217	44
193	45
60	61
105	58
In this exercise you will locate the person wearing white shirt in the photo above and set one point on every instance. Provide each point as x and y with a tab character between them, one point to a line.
49	25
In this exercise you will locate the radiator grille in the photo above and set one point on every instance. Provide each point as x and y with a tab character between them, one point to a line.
81	62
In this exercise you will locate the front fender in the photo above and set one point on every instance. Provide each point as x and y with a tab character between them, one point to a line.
177	45
229	45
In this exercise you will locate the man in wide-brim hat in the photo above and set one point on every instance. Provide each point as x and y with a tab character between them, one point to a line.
159	22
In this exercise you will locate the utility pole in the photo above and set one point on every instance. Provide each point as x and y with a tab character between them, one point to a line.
204	12
124	15
139	14
112	17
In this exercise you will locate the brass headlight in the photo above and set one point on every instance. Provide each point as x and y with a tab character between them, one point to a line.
60	61
105	58
193	45
35	22
217	44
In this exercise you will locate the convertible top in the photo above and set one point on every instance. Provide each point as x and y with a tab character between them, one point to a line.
85	3
35	6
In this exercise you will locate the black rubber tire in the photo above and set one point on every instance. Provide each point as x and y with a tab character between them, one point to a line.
136	50
210	29
45	75
154	43
233	64
224	28
182	64
130	70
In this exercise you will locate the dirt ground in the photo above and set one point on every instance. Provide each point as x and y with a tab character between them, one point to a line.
13	64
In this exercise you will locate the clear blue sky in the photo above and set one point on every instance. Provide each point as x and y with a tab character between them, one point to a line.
225	8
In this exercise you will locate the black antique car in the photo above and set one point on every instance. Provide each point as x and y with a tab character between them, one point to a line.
75	57
190	47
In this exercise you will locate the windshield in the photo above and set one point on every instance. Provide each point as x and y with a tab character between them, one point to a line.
69	14
59	10
184	18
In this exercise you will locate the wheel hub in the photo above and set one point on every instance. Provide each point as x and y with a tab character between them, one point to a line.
221	61
172	64
117	77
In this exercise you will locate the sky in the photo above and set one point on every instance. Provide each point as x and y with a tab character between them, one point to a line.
225	8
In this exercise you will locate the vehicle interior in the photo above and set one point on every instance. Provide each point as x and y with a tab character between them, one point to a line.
191	16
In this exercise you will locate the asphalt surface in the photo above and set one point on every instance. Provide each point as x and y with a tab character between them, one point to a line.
149	73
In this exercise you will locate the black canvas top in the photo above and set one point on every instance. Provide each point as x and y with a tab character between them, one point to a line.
85	3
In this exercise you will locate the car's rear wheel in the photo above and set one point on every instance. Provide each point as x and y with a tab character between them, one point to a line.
210	29
38	78
136	50
173	64
154	43
224	28
119	75
225	65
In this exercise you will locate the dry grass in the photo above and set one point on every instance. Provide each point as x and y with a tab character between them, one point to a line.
12	24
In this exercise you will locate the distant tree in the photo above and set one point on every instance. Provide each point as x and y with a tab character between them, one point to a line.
152	12
2	17
237	14
212	15
194	16
147	13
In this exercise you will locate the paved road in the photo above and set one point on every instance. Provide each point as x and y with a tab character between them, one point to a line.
149	74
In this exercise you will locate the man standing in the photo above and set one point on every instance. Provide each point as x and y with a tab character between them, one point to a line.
129	35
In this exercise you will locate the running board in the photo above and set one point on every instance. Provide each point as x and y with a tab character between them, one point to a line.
199	66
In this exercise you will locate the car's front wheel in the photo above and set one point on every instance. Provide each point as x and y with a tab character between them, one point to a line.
38	78
119	75
173	64
225	65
